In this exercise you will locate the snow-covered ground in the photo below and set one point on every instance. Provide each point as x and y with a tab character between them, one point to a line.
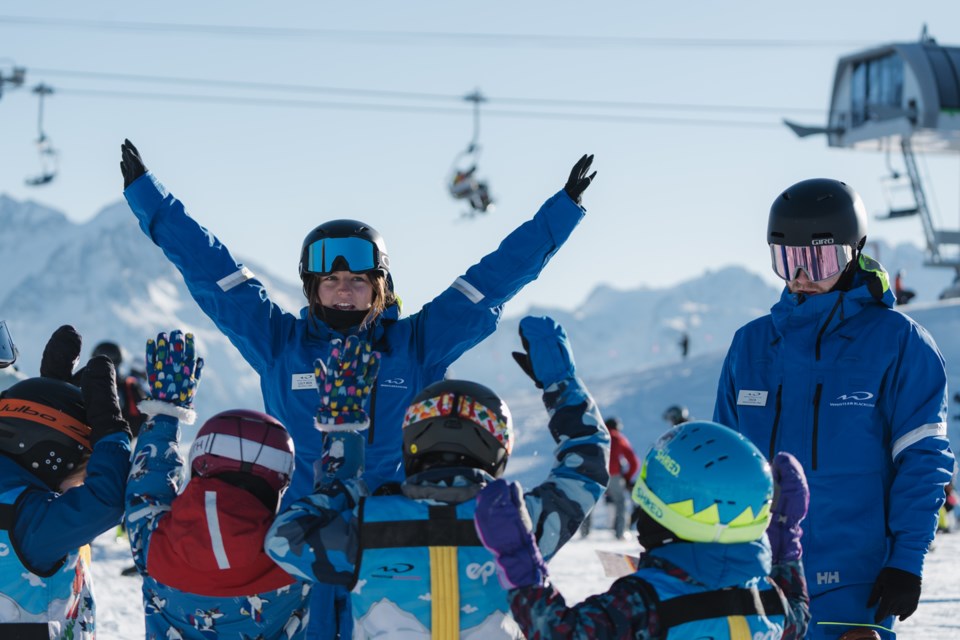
576	570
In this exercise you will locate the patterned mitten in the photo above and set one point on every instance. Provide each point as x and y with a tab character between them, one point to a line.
173	372
345	382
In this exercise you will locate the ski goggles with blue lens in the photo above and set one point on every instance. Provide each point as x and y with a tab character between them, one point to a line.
818	262
343	254
8	351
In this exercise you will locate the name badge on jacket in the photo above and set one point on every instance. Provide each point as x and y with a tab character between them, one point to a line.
748	398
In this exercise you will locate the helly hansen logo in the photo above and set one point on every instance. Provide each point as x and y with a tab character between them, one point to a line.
828	577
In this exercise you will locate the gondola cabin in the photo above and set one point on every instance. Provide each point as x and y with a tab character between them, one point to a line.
896	91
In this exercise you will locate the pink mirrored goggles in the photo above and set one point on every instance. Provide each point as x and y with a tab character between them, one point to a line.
818	262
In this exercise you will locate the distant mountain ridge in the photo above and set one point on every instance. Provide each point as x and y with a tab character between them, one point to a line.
109	280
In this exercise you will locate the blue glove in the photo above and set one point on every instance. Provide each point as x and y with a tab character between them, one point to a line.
547	358
790	502
173	373
345	382
504	527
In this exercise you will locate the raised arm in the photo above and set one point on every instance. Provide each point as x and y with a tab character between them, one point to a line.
156	476
580	472
226	291
315	538
468	311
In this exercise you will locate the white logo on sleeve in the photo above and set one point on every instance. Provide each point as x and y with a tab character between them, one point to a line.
750	398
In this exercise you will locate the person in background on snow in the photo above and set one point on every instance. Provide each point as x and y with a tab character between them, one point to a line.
708	571
858	393
200	551
623	468
345	272
410	553
64	457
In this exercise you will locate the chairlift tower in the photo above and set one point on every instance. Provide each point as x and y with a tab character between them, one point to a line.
902	96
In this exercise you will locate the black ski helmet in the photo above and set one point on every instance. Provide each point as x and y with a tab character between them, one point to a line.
111	350
676	414
346	229
43	428
817	211
458	423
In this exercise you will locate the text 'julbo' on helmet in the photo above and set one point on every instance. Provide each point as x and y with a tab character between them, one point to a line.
344	245
706	483
244	441
43	428
457	423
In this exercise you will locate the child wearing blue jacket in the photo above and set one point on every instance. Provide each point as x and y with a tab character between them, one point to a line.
64	456
200	550
345	270
409	552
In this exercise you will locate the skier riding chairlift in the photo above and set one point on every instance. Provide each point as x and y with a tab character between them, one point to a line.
465	186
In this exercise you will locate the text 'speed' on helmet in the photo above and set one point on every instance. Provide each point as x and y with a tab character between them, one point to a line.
817	211
457	423
706	483
363	249
43	428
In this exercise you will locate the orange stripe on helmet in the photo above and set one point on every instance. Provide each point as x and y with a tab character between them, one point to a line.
47	416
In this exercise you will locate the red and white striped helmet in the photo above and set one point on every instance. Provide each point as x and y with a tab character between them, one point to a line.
245	441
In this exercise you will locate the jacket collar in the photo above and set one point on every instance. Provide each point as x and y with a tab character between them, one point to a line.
871	286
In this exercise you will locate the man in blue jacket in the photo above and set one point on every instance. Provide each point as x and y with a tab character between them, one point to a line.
857	392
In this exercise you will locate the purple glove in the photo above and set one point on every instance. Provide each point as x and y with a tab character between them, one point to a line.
504	527
791	497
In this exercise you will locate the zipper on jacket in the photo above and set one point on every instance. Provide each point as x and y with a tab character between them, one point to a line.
776	423
816	424
373	413
827	323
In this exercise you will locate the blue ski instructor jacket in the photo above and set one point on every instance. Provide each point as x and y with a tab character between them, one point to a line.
281	347
858	393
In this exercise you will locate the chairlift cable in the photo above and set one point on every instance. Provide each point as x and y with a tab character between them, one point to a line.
419	38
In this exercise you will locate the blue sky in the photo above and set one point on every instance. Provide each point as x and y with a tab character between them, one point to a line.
671	199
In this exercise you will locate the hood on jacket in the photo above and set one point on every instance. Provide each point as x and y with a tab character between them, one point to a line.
211	543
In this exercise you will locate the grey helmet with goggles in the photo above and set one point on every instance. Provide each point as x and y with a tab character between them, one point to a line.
817	225
457	423
344	245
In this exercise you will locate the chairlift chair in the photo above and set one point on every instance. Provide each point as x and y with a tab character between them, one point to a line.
49	156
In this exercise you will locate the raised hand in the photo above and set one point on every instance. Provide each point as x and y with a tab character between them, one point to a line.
578	181
173	368
345	381
61	353
131	166
504	527
790	502
547	357
99	389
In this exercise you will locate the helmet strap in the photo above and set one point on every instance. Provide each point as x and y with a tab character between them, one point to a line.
845	283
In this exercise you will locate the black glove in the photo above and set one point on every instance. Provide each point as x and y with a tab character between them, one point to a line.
578	181
898	593
99	387
61	354
130	163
